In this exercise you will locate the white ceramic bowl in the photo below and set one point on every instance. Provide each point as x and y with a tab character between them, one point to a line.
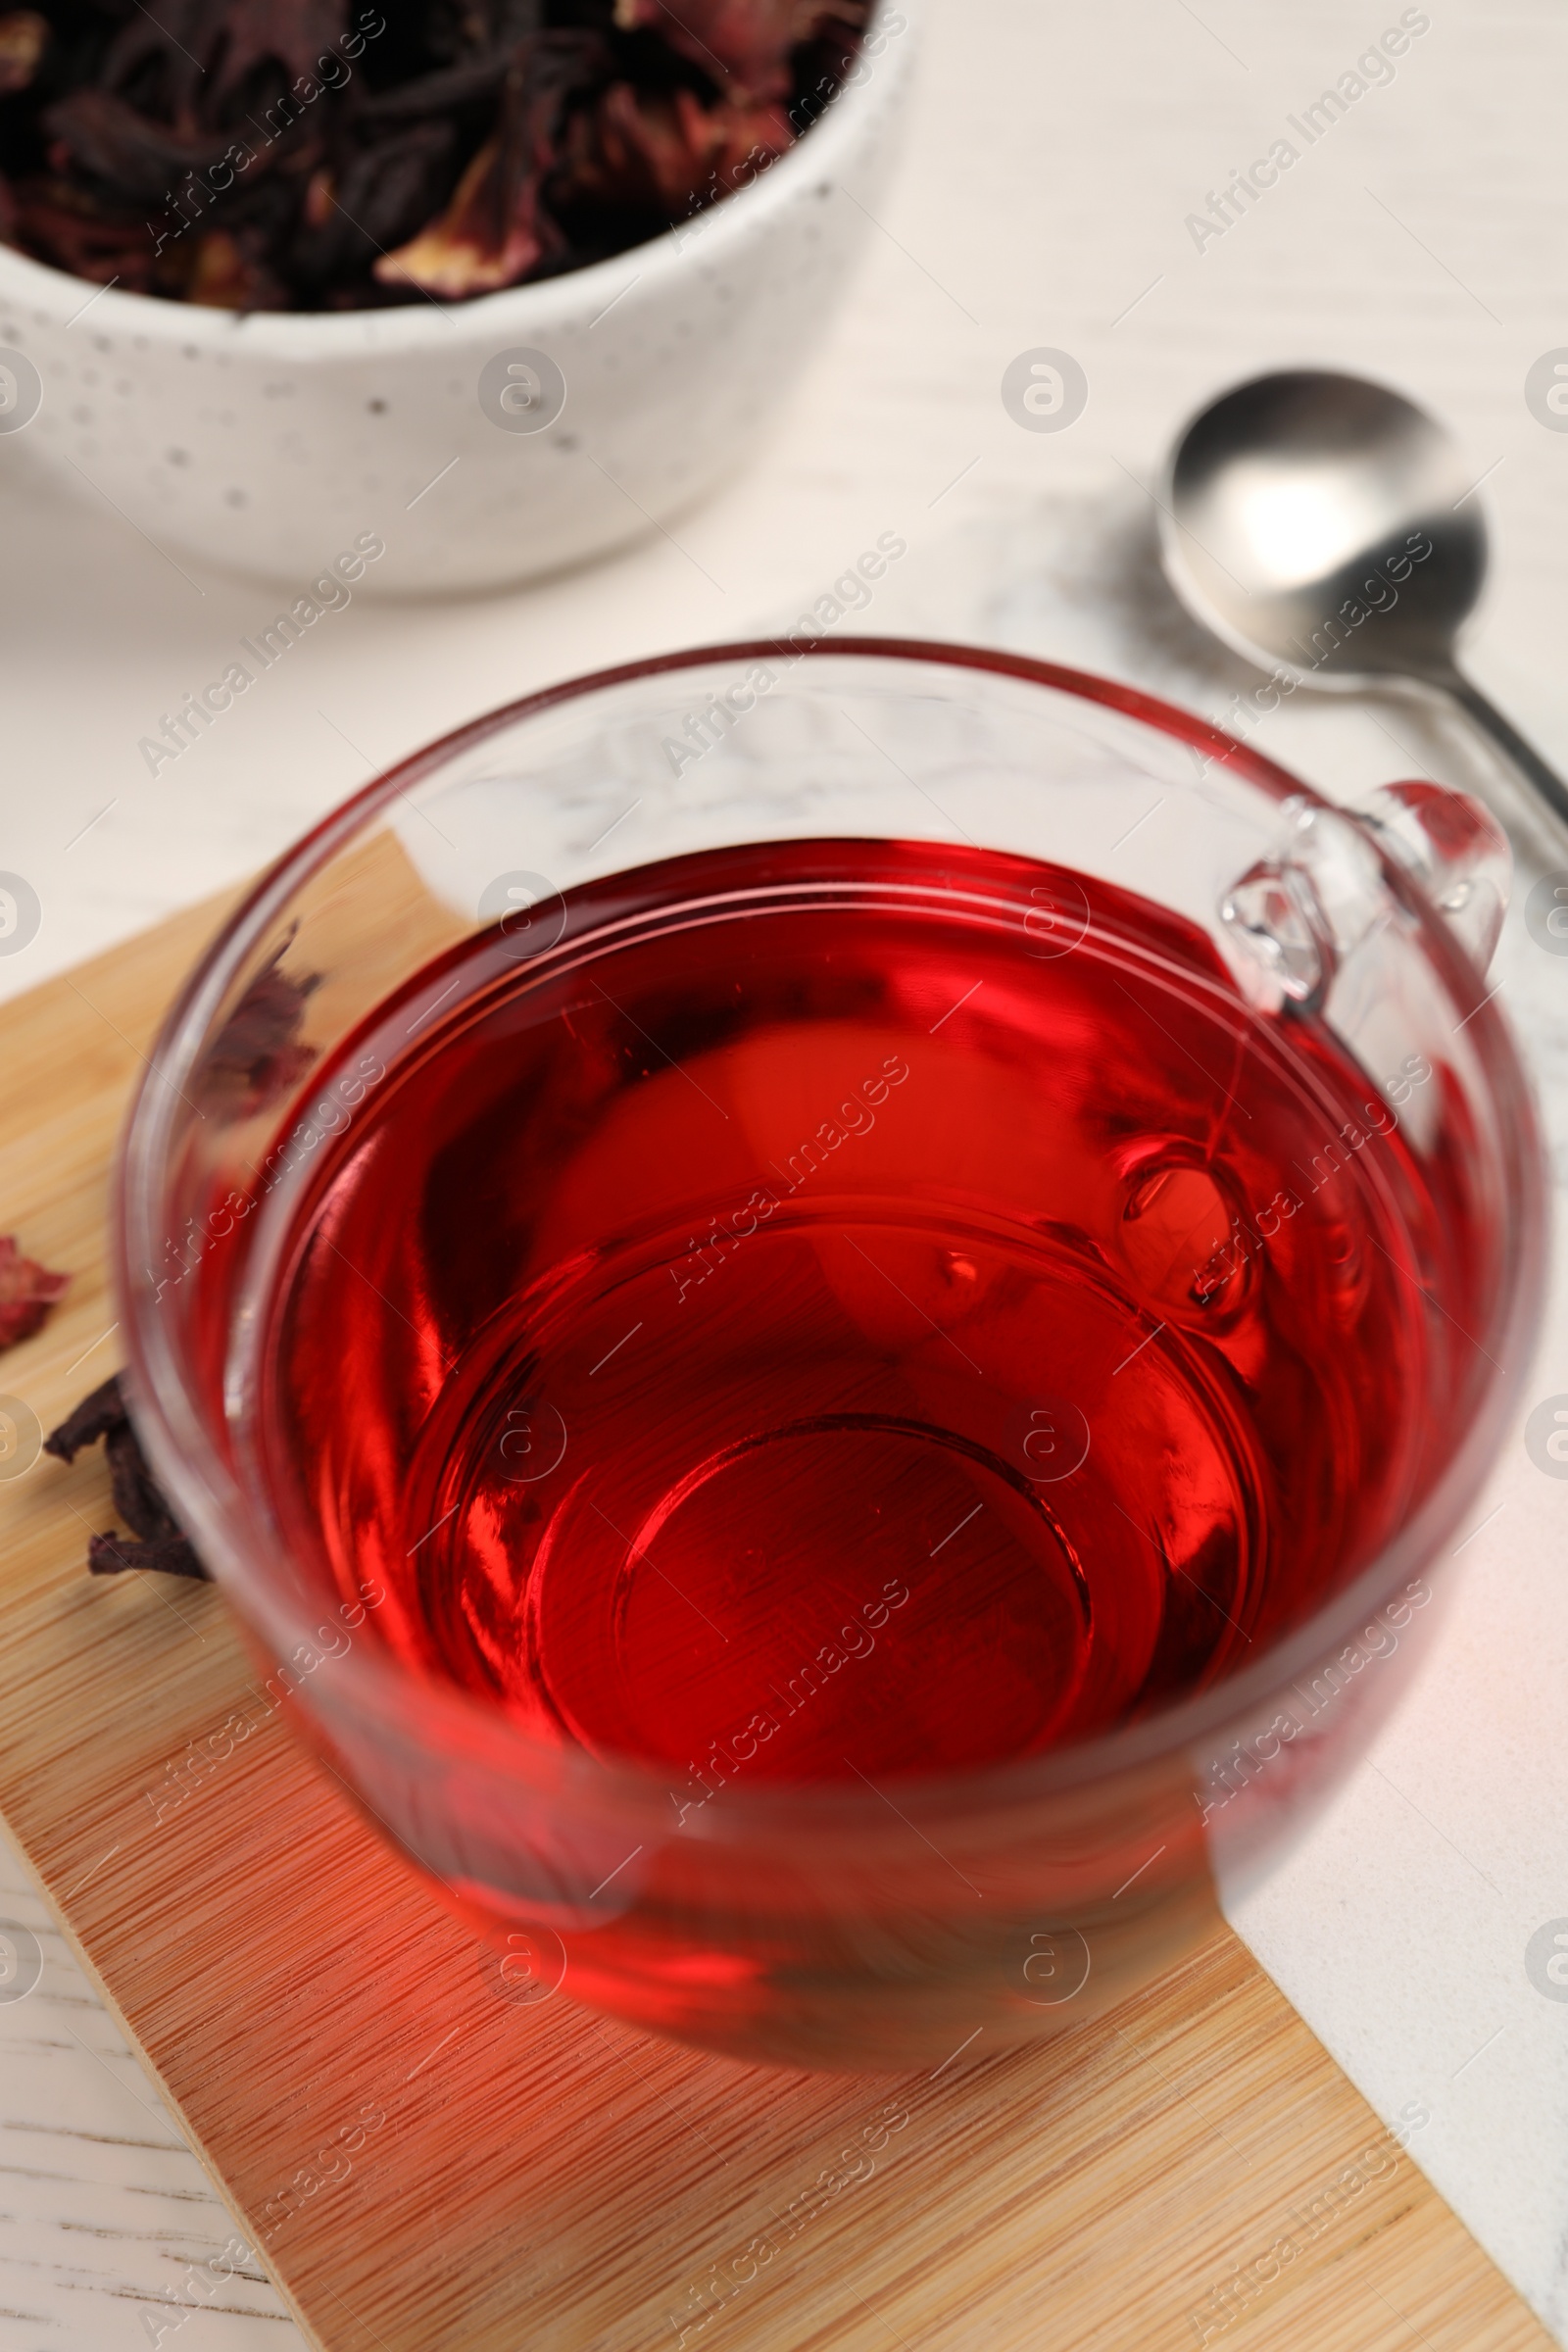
271	444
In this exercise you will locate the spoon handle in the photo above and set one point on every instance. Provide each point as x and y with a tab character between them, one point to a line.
1546	785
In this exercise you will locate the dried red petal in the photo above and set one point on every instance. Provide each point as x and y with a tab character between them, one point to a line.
96	1416
321	199
461	253
494	232
53	221
98	132
22	34
258	1056
744	44
159	1540
667	150
174	1556
28	1290
292	34
225	278
138	1498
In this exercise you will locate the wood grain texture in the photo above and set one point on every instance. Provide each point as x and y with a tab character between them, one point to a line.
422	2161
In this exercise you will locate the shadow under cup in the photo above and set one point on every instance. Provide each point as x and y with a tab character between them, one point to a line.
822	1308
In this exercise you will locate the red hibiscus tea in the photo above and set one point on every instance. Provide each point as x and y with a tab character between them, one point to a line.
834	1309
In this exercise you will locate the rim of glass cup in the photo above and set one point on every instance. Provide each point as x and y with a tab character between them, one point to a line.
212	1506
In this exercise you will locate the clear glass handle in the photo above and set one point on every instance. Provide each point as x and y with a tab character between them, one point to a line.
1303	911
1457	850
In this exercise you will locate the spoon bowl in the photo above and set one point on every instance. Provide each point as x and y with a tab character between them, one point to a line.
1325	528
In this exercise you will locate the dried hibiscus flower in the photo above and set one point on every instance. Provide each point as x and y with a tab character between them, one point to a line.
744	42
258	1056
671	150
159	1540
23	35
495	230
28	1291
326	155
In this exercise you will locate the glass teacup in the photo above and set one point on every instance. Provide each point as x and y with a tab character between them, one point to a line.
822	1310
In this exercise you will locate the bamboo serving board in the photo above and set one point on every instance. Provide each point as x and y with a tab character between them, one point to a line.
424	2164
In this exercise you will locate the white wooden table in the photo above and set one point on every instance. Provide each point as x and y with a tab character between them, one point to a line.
1055	155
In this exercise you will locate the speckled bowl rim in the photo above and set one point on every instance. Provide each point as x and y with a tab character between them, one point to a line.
296	338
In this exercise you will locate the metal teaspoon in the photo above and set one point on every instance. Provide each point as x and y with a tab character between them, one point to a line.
1319	524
